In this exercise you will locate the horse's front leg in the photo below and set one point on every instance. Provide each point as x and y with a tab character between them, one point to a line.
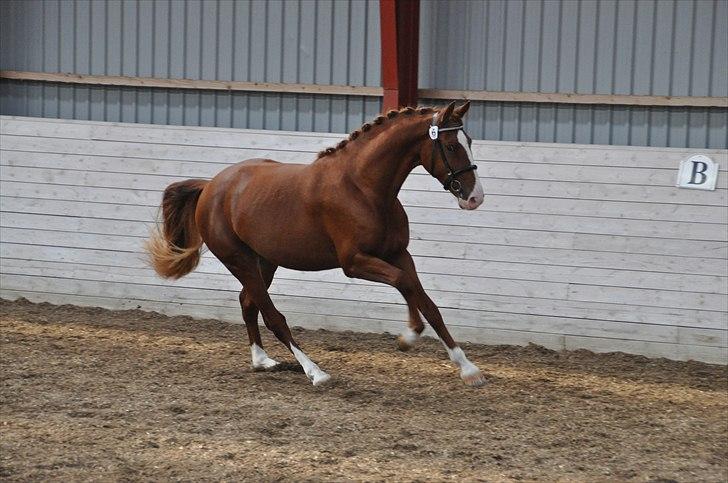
469	372
405	280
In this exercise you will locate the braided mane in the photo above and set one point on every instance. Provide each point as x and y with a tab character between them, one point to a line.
381	119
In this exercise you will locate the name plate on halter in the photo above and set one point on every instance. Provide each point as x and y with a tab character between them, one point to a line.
698	172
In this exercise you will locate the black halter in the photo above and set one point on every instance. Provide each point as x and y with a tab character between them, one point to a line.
451	183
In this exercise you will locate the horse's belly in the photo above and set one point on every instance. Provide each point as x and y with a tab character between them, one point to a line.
297	251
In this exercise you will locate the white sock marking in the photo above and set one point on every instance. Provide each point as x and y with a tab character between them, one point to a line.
467	368
260	358
313	372
409	336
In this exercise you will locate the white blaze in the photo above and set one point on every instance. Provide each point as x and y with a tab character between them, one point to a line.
477	192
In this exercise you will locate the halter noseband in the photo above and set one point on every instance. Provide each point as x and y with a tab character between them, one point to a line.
451	183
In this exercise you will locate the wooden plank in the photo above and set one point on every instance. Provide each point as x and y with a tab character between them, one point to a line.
211	274
515	239
69	192
571	224
660	298
474	251
455	285
136	149
714	355
96	162
308	321
594	152
435	272
193	84
573	98
22	256
680	352
631	157
576	242
574	207
448	94
605	311
627	175
65	187
489	170
261	140
498	245
585	191
348	308
176	127
167	171
144	214
651	246
690	231
428	265
591	154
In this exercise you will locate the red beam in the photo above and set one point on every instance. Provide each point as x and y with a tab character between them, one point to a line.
400	28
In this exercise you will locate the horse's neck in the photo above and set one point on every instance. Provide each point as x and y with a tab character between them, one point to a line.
383	164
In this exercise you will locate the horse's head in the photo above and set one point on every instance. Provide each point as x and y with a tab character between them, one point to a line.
446	155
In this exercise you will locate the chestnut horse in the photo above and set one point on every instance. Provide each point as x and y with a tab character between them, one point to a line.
340	211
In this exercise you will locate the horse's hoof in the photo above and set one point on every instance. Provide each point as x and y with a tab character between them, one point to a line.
266	365
402	344
320	379
476	379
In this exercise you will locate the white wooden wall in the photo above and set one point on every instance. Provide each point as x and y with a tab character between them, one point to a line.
576	246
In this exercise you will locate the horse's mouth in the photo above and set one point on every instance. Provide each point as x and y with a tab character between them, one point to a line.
470	204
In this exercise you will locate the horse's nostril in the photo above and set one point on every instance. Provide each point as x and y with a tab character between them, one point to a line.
474	201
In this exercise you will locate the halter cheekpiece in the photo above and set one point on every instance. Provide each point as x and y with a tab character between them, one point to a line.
451	183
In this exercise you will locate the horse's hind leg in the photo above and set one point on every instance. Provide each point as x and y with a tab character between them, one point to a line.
244	267
260	360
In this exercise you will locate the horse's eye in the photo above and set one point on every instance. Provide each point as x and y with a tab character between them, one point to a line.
451	148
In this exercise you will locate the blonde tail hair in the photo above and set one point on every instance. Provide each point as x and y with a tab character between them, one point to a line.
174	249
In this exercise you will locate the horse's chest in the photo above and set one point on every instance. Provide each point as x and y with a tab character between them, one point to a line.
394	237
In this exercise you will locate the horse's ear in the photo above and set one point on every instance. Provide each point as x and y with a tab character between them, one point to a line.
462	110
445	114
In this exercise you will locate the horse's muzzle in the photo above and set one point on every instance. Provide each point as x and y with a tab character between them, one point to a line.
472	202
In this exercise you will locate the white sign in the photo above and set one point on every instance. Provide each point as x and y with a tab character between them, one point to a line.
698	172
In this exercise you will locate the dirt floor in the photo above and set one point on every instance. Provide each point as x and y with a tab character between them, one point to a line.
92	394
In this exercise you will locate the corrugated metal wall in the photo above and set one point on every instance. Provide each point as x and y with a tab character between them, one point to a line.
310	42
608	46
639	47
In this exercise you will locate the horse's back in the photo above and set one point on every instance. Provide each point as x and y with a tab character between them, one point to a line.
268	206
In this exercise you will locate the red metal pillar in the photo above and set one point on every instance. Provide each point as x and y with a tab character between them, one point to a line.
400	27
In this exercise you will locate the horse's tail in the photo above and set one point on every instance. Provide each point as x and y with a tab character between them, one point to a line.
174	250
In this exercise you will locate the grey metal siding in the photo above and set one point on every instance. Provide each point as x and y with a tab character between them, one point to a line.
321	41
589	47
307	41
674	48
641	47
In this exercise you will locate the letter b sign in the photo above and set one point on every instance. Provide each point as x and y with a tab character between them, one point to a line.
697	172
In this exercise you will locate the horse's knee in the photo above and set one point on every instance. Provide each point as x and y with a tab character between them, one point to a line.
250	310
